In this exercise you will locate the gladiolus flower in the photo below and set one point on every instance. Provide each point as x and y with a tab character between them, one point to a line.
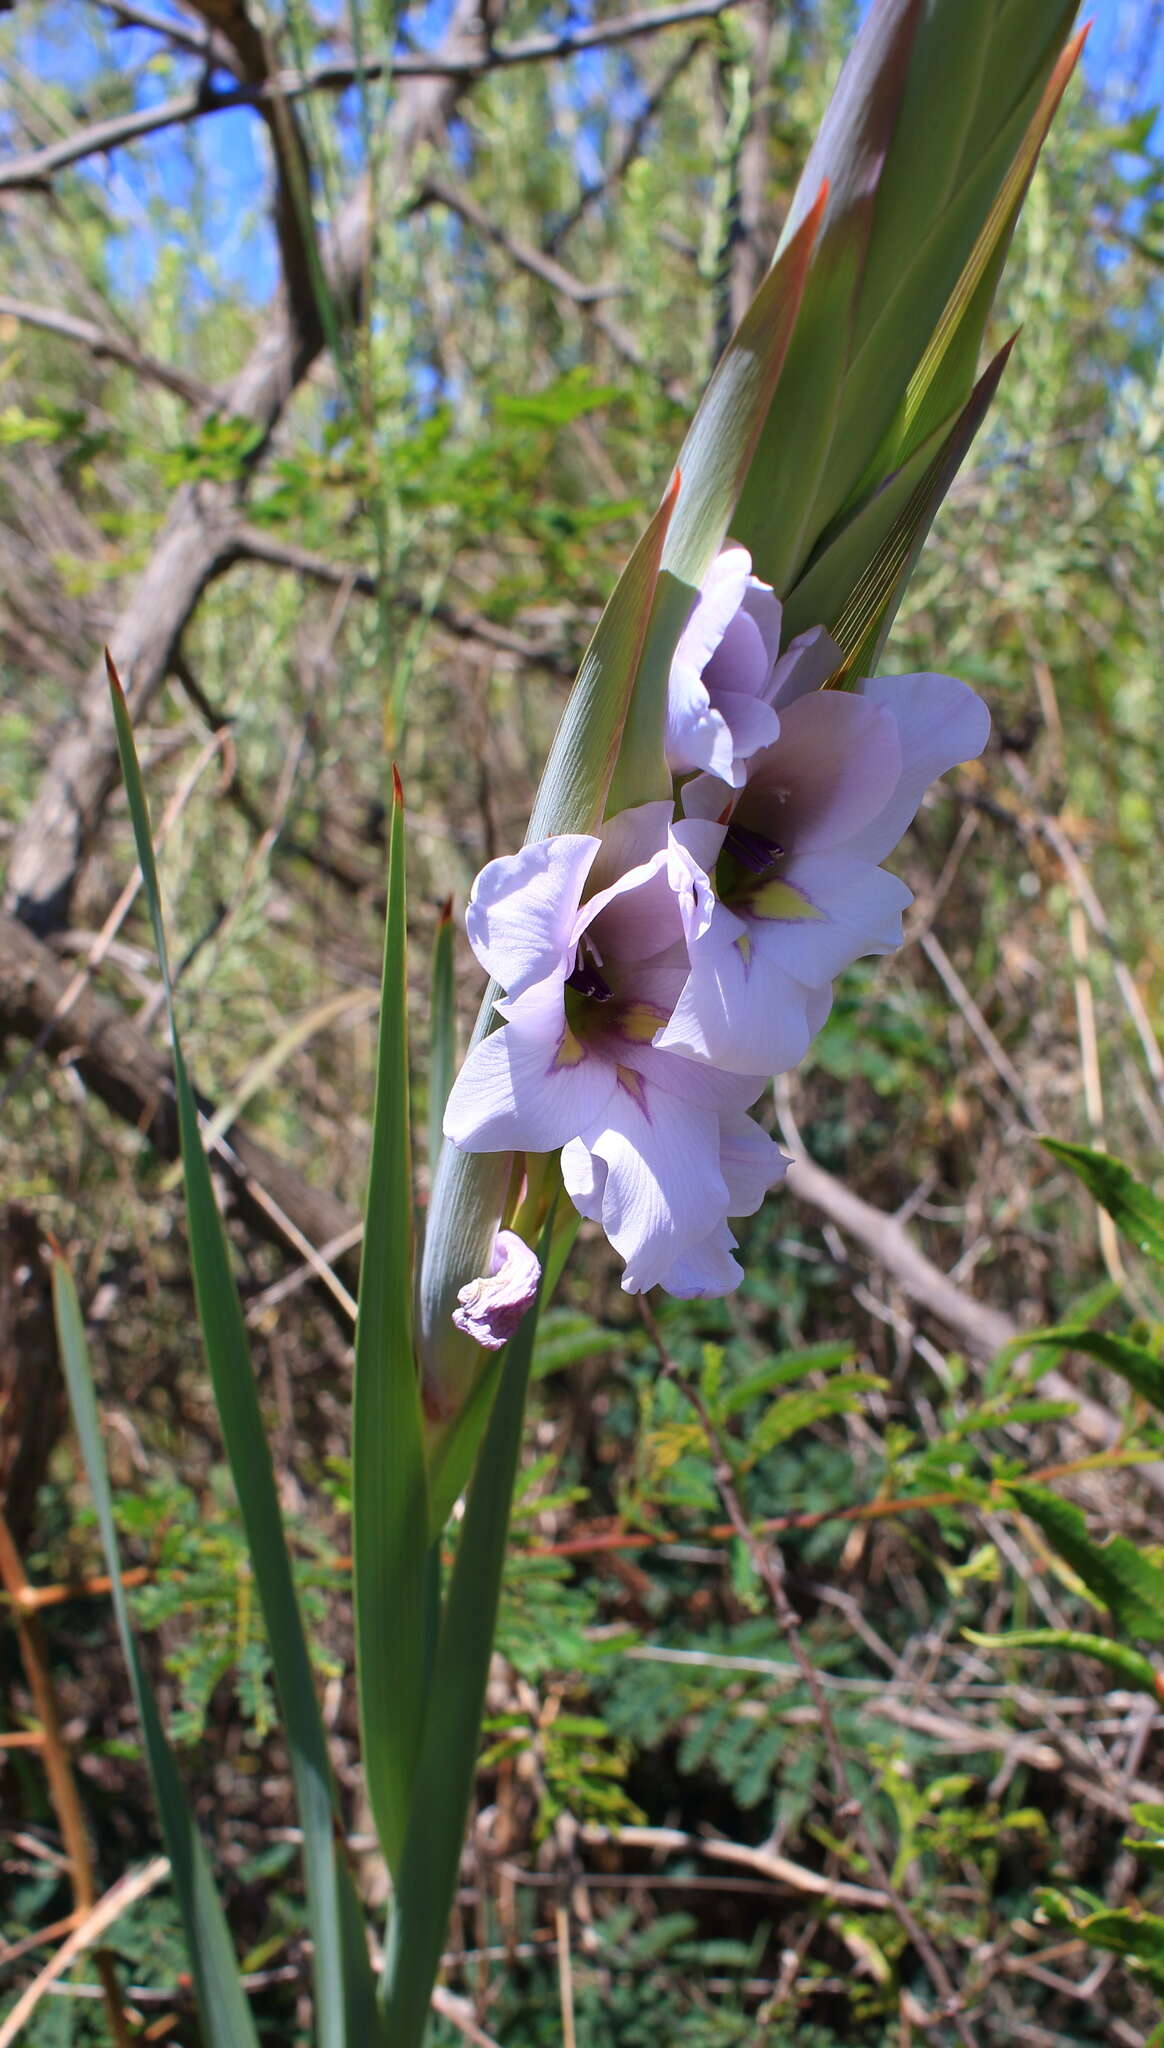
800	890
657	1143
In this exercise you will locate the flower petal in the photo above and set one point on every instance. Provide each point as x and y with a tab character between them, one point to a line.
530	1086
834	767
722	672
584	1178
858	911
662	1179
805	665
707	1270
751	1163
940	722
718	602
491	1307
522	909
740	1010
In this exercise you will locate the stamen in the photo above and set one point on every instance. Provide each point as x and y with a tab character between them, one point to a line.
586	978
753	850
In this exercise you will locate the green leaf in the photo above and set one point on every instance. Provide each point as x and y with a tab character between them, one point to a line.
1133	1208
1138	1936
926	147
1128	1664
1142	1369
713	464
344	1988
445	1768
576	782
854	583
392	1571
785	1370
947	365
935	230
1147	1814
221	2000
1117	1575
442	1040
800	1409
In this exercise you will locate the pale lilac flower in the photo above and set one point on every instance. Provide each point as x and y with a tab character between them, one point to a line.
492	1307
723	673
801	894
575	1063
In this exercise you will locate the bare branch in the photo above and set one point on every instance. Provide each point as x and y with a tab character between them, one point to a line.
125	1070
255	545
175	33
39	166
199	536
103	344
546	268
630	148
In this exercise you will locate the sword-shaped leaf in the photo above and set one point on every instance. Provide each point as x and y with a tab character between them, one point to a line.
345	2006
713	463
926	148
856	582
946	368
444	1773
221	2001
393	1569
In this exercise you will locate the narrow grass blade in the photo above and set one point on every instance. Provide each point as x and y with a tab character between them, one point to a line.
444	1778
344	1992
390	1515
222	2003
442	1038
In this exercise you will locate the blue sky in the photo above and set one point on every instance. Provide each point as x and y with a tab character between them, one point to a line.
224	156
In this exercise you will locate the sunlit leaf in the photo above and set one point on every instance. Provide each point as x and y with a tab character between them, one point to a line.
344	1989
393	1570
1142	1369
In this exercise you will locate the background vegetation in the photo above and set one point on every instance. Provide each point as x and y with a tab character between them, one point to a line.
718	1805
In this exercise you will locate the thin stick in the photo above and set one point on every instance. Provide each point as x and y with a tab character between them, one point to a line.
101	343
124	1893
565	1975
61	1782
999	1058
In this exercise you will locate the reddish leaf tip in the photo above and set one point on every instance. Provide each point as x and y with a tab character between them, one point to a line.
397	788
445	914
115	682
